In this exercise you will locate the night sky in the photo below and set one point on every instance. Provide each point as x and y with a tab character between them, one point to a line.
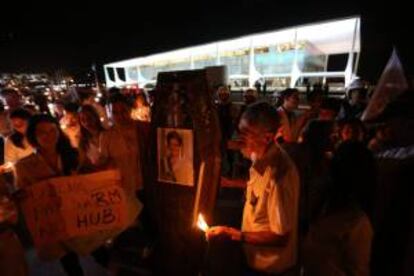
72	35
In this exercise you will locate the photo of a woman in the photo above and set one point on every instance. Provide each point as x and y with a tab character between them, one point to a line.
175	156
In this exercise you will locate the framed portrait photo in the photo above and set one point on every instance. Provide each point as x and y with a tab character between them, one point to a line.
175	156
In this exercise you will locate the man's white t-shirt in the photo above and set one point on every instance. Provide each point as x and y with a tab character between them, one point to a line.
272	203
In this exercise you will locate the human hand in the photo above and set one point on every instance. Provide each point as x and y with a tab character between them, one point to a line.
223	233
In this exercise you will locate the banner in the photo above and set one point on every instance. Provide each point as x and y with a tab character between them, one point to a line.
63	208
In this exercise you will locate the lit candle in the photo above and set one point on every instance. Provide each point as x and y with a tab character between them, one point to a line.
201	223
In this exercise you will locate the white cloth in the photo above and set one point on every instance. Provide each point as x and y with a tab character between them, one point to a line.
272	203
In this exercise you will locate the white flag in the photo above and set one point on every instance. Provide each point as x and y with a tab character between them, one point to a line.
391	84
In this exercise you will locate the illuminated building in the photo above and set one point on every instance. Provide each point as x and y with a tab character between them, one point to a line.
326	52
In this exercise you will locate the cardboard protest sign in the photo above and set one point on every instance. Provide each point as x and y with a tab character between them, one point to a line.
63	208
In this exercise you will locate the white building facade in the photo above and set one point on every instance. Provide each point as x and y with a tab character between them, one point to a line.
322	53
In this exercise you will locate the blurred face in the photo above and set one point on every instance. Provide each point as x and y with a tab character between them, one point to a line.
47	135
254	140
316	102
19	124
357	97
72	119
249	99
224	97
12	100
327	114
87	120
174	147
351	133
385	133
292	102
121	113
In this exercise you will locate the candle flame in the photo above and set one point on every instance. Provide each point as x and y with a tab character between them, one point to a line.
201	223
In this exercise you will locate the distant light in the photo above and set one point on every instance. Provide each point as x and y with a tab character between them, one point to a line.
99	95
97	99
50	106
6	107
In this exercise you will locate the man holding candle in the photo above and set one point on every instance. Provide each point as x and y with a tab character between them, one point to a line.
270	217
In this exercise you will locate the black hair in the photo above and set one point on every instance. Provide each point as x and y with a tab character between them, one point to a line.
174	135
263	115
288	92
311	96
85	135
114	91
71	107
119	98
67	153
354	123
8	91
331	104
353	174
317	134
17	138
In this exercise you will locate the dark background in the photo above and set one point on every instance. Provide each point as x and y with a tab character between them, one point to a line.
71	35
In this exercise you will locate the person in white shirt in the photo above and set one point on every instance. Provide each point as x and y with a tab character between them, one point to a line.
270	217
16	145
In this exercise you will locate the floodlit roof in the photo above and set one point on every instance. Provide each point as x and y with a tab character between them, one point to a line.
330	37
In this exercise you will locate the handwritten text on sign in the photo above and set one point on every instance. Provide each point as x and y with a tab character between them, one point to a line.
66	207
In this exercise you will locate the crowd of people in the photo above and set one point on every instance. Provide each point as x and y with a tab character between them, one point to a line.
326	193
324	187
81	139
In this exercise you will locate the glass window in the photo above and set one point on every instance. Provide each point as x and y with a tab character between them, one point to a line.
309	58
173	65
277	83
237	61
121	73
337	62
132	73
274	59
111	73
148	72
318	44
203	61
